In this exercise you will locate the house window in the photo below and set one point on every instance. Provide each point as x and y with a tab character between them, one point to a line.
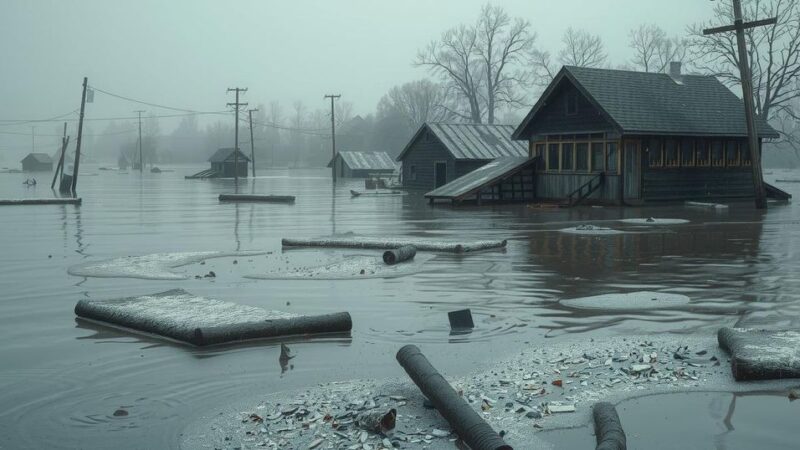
731	153
717	154
611	157
670	153
655	155
567	156
687	152
598	157
701	153
582	156
412	172
744	148
552	157
572	103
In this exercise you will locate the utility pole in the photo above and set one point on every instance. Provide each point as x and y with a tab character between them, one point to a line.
252	150
333	135
141	161
747	92
33	142
60	166
236	106
78	142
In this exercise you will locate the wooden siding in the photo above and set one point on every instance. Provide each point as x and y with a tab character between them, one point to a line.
553	117
423	154
557	186
464	167
697	183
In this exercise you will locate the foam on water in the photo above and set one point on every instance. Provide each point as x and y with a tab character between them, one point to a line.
155	266
641	300
350	268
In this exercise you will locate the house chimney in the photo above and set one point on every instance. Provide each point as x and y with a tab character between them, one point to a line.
675	72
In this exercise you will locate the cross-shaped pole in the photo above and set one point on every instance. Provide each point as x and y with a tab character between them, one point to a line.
747	92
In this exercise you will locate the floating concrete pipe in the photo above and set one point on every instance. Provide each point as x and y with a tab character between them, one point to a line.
472	429
398	255
608	428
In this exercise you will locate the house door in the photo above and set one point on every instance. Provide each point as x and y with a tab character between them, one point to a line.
633	170
440	174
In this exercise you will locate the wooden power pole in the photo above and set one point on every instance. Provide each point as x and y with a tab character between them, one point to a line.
141	160
252	148
236	107
60	166
333	135
747	92
78	141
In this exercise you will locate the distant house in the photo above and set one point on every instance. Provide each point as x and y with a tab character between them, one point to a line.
363	164
441	152
625	137
122	162
37	162
223	163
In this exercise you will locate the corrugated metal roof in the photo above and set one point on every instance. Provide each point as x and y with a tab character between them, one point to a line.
472	141
224	154
653	103
479	178
367	160
39	157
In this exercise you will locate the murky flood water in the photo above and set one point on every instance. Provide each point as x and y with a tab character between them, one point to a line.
61	380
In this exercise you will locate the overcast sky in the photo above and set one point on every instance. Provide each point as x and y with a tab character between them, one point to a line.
186	53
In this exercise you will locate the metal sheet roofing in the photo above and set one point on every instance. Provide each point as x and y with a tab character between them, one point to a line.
479	178
367	161
225	154
654	103
39	157
473	141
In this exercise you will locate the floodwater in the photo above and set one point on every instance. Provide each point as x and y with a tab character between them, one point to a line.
61	380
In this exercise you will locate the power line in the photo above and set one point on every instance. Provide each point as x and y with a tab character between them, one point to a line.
156	105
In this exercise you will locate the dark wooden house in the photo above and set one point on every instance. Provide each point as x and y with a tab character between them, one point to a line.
363	164
626	137
441	152
223	163
37	162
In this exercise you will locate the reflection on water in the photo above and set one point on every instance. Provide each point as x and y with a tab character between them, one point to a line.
739	266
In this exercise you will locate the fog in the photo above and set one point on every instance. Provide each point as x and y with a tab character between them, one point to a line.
185	54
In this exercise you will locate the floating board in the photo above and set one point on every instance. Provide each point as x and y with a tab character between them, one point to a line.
787	181
256	198
179	315
393	243
41	201
629	301
654	221
707	205
378	192
761	354
591	230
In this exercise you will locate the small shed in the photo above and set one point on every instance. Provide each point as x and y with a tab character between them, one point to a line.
37	162
223	162
617	136
441	152
363	164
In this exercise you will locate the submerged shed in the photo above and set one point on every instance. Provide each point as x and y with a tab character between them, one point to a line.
37	162
223	163
363	164
441	152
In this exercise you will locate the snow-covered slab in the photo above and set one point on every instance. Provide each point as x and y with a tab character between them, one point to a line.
706	205
421	244
761	354
351	268
155	266
654	221
591	230
642	300
179	315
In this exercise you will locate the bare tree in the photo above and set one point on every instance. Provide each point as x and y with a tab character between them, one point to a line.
344	112
418	102
653	50
580	48
482	63
773	51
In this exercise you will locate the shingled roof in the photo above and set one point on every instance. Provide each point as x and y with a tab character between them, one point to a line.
472	141
654	103
367	160
226	154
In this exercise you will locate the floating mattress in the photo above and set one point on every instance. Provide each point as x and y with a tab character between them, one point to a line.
179	315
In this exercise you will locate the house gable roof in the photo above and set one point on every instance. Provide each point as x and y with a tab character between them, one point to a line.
225	154
367	160
43	158
653	103
472	141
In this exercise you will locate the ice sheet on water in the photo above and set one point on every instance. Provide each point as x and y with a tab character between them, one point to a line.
350	268
155	266
654	221
640	300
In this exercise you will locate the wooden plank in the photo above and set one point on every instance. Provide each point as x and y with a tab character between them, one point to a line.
40	201
256	198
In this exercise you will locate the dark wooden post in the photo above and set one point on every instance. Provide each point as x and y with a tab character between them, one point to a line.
60	166
236	134
333	136
252	151
78	142
747	92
